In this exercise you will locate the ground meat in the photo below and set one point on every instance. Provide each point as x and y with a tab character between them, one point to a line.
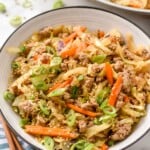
145	54
16	90
121	131
126	80
90	123
88	83
120	101
27	108
23	67
83	59
62	35
64	65
82	126
128	54
68	64
118	65
134	101
94	69
98	79
47	42
72	63
140	82
32	44
147	86
112	46
45	31
66	96
131	55
40	120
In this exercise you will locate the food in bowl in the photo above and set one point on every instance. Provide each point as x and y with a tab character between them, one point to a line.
77	89
145	4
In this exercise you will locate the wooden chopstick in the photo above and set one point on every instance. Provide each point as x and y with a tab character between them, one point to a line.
17	144
12	140
8	135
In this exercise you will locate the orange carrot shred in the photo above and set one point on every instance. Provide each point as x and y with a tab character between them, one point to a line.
36	57
82	111
115	91
109	73
53	132
74	34
69	52
70	37
61	85
101	34
104	147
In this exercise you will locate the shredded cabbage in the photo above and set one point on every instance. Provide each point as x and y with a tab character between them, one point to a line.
95	129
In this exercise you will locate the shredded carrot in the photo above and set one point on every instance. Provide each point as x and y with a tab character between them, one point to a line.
73	35
70	37
54	132
104	147
36	57
44	60
61	85
82	111
101	34
115	91
80	30
109	73
69	52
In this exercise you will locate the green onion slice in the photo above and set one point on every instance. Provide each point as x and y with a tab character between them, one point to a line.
2	8
102	95
15	65
98	58
39	83
27	4
82	145
58	4
23	122
44	108
109	110
8	96
56	61
48	143
16	21
80	77
22	48
74	92
71	118
57	92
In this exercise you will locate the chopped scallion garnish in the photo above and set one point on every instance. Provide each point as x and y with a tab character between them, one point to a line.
58	4
2	8
8	96
16	21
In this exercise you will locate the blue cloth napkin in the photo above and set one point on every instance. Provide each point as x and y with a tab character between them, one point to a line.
4	143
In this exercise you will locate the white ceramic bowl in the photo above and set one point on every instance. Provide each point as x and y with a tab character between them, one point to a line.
92	18
136	10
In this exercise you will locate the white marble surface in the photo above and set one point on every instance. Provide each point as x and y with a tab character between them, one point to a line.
43	5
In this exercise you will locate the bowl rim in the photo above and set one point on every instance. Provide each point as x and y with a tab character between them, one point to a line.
122	7
49	11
